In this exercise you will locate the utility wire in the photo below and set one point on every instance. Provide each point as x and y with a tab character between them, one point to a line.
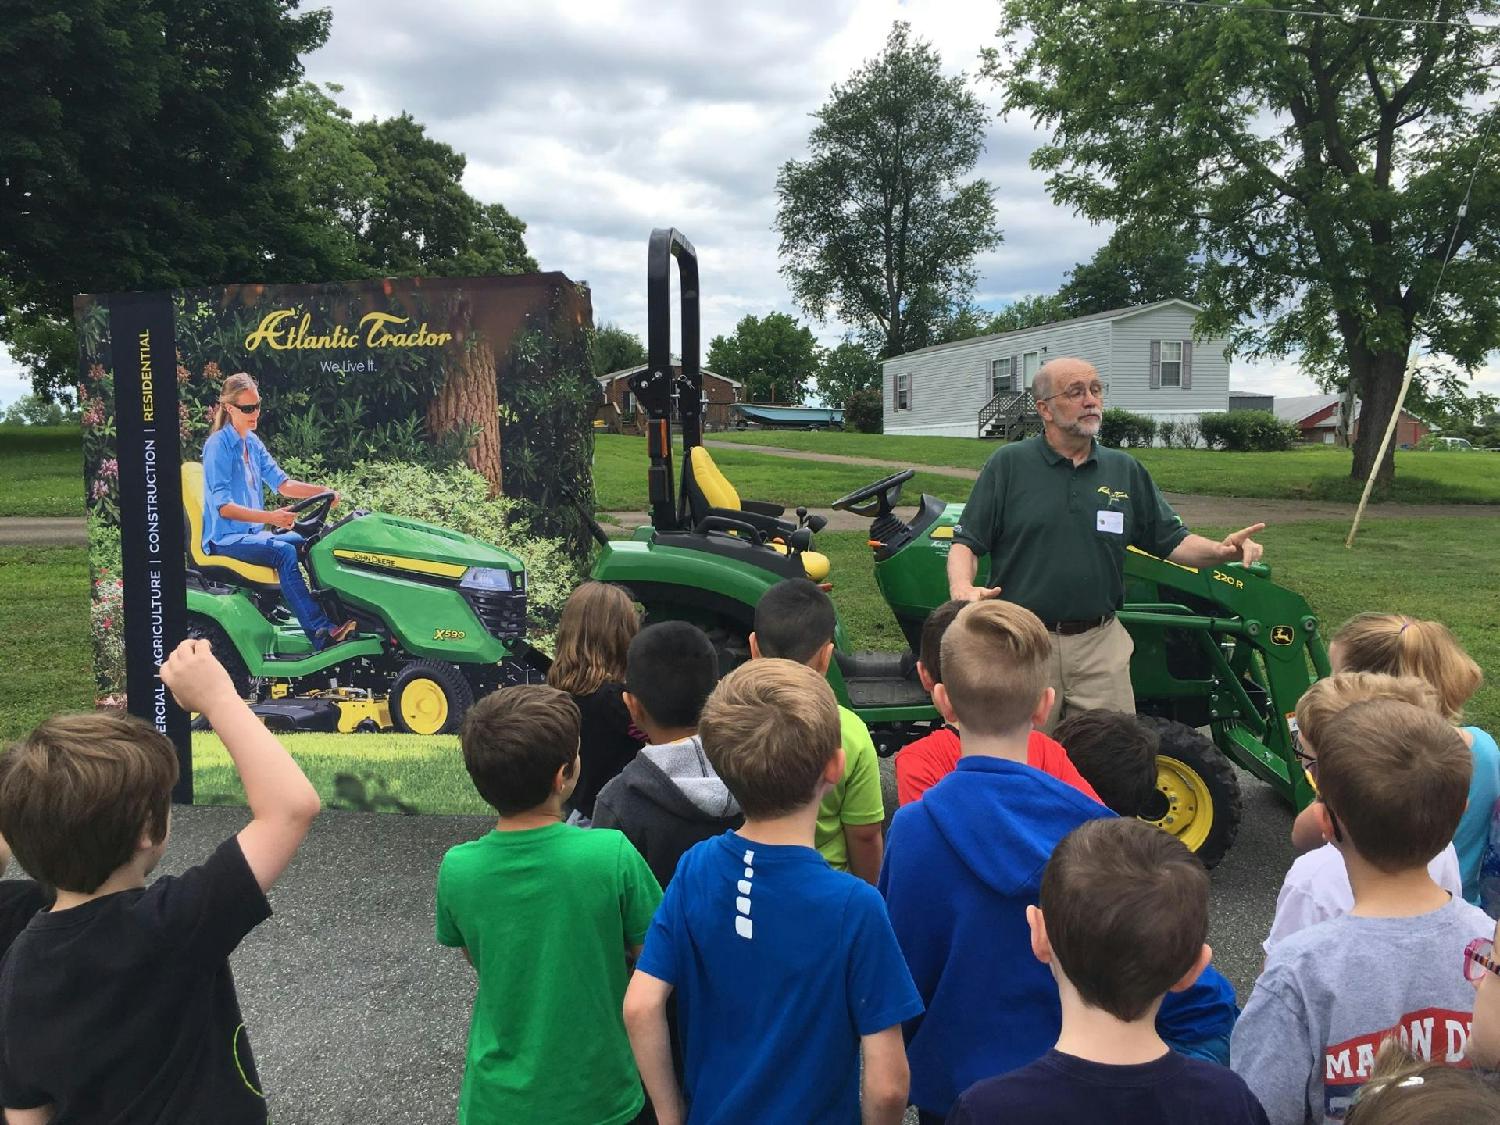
1411	21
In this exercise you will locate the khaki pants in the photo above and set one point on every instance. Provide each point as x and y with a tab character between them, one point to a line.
1089	670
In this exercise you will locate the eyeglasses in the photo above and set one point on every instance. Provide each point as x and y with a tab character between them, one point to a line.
246	408
1479	959
1308	762
1076	392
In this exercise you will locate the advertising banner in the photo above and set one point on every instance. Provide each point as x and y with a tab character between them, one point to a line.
365	496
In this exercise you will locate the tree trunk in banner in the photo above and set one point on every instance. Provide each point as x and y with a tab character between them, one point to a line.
469	400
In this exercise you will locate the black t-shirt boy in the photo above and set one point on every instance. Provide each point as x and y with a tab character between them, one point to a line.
1061	1089
20	901
123	1009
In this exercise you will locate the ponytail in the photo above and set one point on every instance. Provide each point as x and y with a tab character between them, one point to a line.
1408	646
234	386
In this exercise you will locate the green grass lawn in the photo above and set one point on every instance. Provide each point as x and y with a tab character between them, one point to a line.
42	467
1307	473
620	465
1442	569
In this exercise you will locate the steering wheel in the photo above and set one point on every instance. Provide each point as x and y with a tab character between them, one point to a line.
308	526
876	499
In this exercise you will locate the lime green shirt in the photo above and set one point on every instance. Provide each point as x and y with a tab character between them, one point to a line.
1056	533
546	915
856	799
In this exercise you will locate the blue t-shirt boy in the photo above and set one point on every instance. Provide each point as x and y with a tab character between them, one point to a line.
773	999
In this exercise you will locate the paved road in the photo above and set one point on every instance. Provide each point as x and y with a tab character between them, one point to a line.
356	1014
63	531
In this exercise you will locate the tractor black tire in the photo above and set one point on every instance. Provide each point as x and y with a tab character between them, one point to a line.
204	628
1195	778
429	697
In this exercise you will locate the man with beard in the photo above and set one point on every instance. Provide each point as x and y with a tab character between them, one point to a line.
1055	514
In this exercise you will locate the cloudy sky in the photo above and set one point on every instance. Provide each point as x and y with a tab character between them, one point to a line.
597	121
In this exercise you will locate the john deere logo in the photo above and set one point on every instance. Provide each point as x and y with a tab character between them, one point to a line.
1283	635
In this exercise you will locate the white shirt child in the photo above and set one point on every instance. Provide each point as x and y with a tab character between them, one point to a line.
1317	889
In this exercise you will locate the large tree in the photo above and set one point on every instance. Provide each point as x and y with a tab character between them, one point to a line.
879	225
773	356
614	348
139	150
1318	159
846	370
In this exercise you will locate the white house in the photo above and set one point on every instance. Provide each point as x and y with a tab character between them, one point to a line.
1146	357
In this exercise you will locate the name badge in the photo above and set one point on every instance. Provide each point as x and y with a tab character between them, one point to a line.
1112	522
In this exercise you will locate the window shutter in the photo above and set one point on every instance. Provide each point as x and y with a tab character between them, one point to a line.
1015	373
1156	365
1187	365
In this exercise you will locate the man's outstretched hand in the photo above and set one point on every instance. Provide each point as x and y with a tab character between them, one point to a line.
1240	547
976	593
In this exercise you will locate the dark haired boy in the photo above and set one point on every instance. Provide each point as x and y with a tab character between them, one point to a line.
786	972
1124	887
1393	780
794	620
117	1004
546	913
922	763
668	797
1116	752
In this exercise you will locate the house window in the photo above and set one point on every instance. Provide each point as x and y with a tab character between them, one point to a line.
629	404
903	392
1171	363
1000	376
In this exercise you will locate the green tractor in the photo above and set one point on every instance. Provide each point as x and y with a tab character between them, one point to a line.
1223	650
441	620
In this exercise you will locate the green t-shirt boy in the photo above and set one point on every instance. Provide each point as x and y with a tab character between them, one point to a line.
856	799
546	916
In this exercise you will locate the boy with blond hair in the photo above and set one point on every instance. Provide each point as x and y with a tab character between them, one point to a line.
1392	782
794	620
966	861
786	972
1316	888
546	912
1124	887
117	1004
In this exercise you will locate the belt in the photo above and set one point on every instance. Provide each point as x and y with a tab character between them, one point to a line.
1073	628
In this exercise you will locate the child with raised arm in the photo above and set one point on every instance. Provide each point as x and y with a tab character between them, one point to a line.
924	762
546	912
794	620
1121	925
118	1004
1392	781
786	972
668	797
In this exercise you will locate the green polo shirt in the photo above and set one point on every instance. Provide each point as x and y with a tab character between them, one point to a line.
1056	534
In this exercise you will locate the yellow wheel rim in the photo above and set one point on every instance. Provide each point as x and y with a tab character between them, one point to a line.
1190	805
424	706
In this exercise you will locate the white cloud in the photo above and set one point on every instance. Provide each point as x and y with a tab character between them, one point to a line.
596	122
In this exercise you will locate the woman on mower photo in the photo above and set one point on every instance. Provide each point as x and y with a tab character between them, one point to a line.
237	468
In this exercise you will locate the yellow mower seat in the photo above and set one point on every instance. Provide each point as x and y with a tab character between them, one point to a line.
719	493
192	507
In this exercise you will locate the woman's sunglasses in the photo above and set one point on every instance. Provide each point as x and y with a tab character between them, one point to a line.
246	408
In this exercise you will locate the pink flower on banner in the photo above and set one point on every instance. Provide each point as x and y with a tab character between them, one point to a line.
109	469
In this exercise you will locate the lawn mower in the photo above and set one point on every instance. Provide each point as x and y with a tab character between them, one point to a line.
1223	650
441	619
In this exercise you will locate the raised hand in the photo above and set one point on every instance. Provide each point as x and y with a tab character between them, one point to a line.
1240	543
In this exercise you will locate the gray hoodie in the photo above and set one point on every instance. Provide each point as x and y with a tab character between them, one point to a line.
667	799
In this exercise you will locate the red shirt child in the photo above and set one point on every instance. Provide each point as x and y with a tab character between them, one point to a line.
922	764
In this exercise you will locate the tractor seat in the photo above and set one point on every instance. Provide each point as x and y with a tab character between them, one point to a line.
710	493
192	509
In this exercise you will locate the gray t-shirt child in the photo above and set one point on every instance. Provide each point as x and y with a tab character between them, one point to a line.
1331	994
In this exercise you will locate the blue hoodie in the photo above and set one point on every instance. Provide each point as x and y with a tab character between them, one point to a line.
962	864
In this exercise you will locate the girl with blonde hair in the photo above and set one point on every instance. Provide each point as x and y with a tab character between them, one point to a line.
237	469
598	623
1397	645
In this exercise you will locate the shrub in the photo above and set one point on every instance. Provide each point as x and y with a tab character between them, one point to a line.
864	412
1168	432
1121	427
1247	431
1187	433
458	498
